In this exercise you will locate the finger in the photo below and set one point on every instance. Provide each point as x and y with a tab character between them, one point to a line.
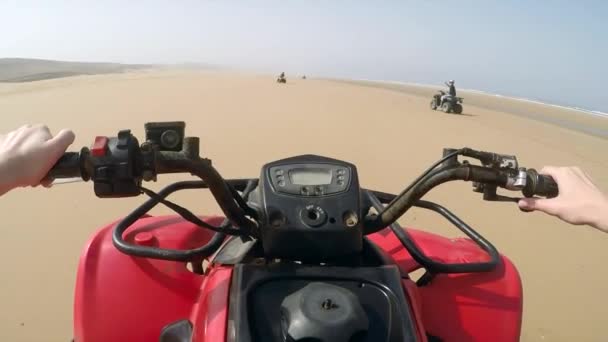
550	171
41	132
21	133
577	173
43	129
587	179
559	174
10	137
526	203
577	170
60	142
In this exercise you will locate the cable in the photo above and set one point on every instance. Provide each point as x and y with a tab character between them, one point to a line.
188	215
219	188
242	202
162	253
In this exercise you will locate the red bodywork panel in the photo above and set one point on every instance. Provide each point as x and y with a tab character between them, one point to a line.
124	298
462	307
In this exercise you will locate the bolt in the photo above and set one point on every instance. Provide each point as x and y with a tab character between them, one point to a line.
328	304
145	147
145	239
350	219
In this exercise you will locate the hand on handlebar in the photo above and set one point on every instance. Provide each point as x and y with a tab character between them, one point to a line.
579	201
28	153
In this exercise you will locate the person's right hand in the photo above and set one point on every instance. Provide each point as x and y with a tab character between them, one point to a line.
579	201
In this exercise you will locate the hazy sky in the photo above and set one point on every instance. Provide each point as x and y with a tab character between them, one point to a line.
552	50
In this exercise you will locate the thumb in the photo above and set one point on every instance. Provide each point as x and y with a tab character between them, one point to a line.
541	204
60	142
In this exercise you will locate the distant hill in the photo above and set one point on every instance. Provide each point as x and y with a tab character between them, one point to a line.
28	70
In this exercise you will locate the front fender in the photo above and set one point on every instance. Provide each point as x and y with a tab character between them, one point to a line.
124	298
462	307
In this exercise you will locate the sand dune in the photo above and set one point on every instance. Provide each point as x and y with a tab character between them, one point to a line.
245	121
16	70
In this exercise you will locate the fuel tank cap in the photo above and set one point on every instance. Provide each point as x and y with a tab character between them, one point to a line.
323	312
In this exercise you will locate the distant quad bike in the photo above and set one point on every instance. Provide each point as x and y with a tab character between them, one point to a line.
450	103
282	78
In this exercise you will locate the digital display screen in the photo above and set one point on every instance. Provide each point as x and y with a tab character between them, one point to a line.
310	176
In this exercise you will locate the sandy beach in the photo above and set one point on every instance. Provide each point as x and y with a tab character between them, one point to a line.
245	121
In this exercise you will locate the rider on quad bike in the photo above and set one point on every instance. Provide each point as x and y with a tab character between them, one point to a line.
448	102
452	89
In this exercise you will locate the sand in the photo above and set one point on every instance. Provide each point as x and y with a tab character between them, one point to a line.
245	121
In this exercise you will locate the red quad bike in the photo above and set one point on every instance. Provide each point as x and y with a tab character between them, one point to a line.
303	253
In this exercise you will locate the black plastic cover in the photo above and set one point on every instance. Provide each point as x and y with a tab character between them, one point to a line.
312	225
117	173
180	331
169	136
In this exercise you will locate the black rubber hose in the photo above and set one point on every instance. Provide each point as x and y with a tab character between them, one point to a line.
404	201
161	253
429	264
216	184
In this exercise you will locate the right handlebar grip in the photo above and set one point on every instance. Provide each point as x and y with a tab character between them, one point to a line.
68	166
540	185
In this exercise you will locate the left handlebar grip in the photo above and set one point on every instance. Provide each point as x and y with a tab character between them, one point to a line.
68	166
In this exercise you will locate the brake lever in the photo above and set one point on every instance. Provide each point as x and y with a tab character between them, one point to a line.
501	198
490	195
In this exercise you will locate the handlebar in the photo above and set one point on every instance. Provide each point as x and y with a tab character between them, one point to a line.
68	166
152	162
497	171
117	166
398	206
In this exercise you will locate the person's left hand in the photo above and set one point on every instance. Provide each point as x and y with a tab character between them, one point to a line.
28	153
